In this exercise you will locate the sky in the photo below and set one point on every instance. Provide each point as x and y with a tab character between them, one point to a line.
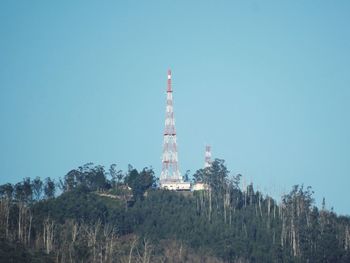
265	83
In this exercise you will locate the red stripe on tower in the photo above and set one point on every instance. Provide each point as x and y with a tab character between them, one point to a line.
170	171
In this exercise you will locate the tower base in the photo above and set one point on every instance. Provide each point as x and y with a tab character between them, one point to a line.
175	185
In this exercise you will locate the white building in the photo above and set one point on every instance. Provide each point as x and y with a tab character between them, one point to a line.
175	185
200	186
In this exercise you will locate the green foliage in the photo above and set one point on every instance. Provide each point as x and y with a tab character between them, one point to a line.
37	186
116	176
140	182
49	188
15	252
78	204
6	191
89	176
221	224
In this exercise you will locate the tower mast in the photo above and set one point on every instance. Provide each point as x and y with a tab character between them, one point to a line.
170	169
207	160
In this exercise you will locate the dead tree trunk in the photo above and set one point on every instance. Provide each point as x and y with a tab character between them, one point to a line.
92	232
48	235
210	204
30	226
20	221
132	249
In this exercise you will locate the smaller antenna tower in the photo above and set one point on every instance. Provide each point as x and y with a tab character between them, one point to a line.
207	160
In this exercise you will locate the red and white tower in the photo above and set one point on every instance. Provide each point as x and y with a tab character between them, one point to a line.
170	169
207	160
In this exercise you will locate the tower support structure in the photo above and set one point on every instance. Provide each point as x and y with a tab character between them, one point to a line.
170	177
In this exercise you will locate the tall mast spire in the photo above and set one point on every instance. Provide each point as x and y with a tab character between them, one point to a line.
169	81
170	169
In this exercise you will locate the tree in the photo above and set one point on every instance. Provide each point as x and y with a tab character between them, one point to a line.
37	186
6	191
19	192
88	176
49	188
116	175
27	190
69	181
113	174
186	176
217	176
23	195
201	175
96	178
140	182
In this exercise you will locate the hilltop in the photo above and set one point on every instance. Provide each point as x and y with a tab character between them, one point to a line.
114	216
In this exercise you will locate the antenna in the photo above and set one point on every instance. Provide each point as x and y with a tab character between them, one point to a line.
207	159
170	169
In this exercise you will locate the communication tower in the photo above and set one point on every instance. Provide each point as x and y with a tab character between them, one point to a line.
170	177
207	161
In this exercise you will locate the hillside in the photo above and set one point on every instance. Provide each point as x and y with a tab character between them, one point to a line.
96	219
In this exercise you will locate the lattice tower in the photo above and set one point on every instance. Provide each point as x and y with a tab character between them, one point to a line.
170	167
207	160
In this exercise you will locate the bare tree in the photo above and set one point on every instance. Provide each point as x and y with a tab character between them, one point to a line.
92	232
133	244
48	234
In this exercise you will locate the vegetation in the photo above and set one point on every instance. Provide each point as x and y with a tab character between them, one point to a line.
92	215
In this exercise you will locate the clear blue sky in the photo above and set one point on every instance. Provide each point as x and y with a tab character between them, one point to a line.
266	83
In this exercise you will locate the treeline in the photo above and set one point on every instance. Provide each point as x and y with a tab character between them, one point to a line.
116	216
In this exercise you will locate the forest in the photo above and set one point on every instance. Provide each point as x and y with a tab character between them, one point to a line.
98	214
